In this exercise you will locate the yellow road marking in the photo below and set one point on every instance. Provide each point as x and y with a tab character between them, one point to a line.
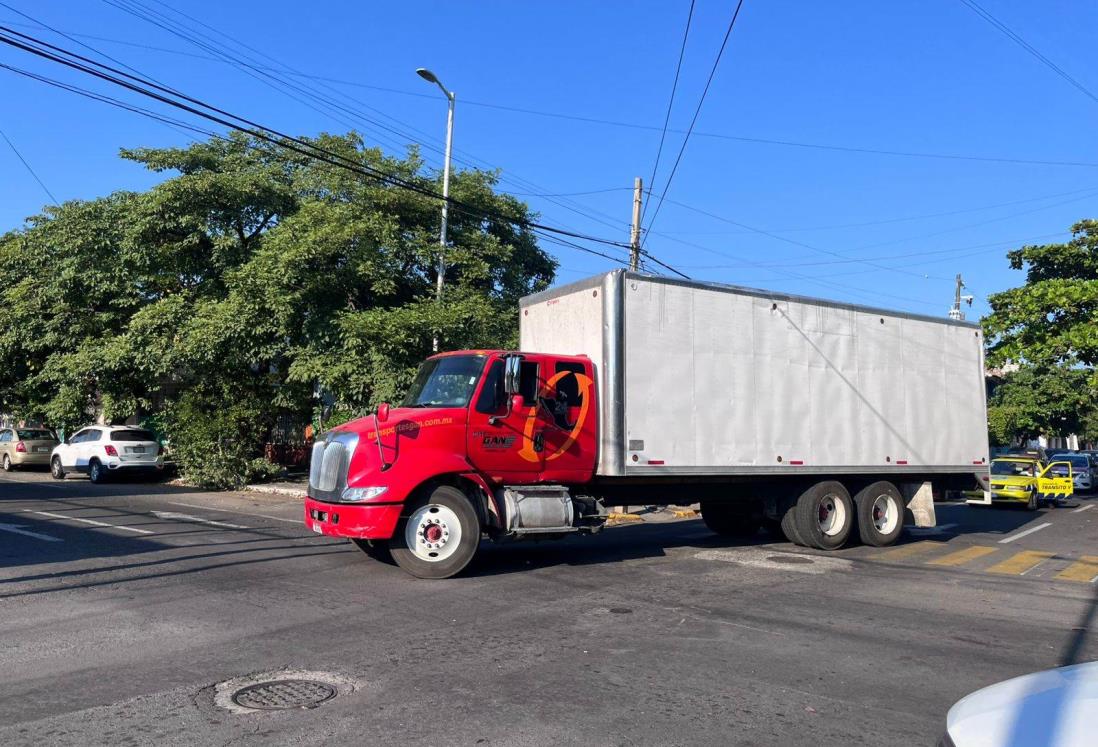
1019	563
906	551
1085	569
962	556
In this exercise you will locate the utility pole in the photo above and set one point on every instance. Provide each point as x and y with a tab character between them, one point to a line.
635	234
955	313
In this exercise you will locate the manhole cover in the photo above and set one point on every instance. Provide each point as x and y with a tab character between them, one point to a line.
794	559
282	694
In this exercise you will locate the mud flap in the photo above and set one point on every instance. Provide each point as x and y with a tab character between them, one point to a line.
919	500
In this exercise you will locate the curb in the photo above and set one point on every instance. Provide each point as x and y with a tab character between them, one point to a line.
615	516
684	513
292	492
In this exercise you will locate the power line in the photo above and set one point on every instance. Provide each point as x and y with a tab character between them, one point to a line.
671	100
895	152
1017	39
252	67
697	111
19	155
275	137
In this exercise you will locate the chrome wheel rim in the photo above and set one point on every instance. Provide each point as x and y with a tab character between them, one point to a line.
885	513
433	533
831	515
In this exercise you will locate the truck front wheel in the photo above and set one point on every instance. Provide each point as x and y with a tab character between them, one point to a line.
438	535
731	519
824	516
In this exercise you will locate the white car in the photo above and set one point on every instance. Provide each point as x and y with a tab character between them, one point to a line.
1054	708
102	450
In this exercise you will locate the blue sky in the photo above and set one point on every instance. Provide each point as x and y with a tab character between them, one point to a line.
906	75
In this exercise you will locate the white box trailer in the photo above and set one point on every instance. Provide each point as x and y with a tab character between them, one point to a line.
723	384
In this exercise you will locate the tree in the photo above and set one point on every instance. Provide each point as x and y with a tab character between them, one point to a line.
1032	401
1053	318
1048	327
226	295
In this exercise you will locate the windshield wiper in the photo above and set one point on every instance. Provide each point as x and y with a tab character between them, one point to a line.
426	404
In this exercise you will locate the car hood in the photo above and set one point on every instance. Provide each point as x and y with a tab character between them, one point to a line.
1054	708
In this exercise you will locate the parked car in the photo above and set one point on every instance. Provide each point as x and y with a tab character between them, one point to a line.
24	446
102	450
1082	471
1054	708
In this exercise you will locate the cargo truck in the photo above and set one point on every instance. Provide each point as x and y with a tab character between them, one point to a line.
824	422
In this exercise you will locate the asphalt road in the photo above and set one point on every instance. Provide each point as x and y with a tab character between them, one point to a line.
123	605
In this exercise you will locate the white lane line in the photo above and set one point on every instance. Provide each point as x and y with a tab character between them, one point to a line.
1019	535
17	529
172	515
1084	508
93	522
242	513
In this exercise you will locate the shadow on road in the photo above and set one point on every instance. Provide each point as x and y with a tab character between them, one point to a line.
1072	653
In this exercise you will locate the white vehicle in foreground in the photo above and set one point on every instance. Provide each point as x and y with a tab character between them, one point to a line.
1054	708
102	450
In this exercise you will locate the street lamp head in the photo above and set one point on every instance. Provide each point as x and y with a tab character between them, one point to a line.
426	74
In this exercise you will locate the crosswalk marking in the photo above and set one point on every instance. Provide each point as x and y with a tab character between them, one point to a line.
961	557
93	522
1085	569
1019	563
906	551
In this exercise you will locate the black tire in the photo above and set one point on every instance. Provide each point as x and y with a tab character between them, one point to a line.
56	469
97	473
376	549
787	523
879	503
8	467
808	515
1031	504
454	506
741	519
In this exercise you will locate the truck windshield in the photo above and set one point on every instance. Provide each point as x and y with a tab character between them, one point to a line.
445	382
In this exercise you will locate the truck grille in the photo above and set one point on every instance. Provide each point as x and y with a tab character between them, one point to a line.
328	467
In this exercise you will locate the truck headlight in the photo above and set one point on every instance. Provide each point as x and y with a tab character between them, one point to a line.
354	495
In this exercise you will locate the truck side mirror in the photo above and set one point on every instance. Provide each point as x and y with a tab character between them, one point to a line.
383	412
517	402
512	374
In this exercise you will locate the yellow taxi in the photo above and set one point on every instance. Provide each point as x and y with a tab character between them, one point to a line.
1023	479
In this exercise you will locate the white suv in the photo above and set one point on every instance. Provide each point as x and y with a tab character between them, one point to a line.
100	450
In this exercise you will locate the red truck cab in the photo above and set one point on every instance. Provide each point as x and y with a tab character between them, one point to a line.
425	479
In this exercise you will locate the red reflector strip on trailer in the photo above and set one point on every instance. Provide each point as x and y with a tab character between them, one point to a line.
655	461
796	461
901	461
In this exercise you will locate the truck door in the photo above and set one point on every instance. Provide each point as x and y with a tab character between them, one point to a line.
500	442
567	418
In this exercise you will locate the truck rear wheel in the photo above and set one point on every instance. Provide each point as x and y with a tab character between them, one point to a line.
823	516
438	535
880	514
731	519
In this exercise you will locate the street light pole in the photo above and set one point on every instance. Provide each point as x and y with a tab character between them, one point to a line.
430	77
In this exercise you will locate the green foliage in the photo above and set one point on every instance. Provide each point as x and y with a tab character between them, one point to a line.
251	277
1053	318
1031	401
